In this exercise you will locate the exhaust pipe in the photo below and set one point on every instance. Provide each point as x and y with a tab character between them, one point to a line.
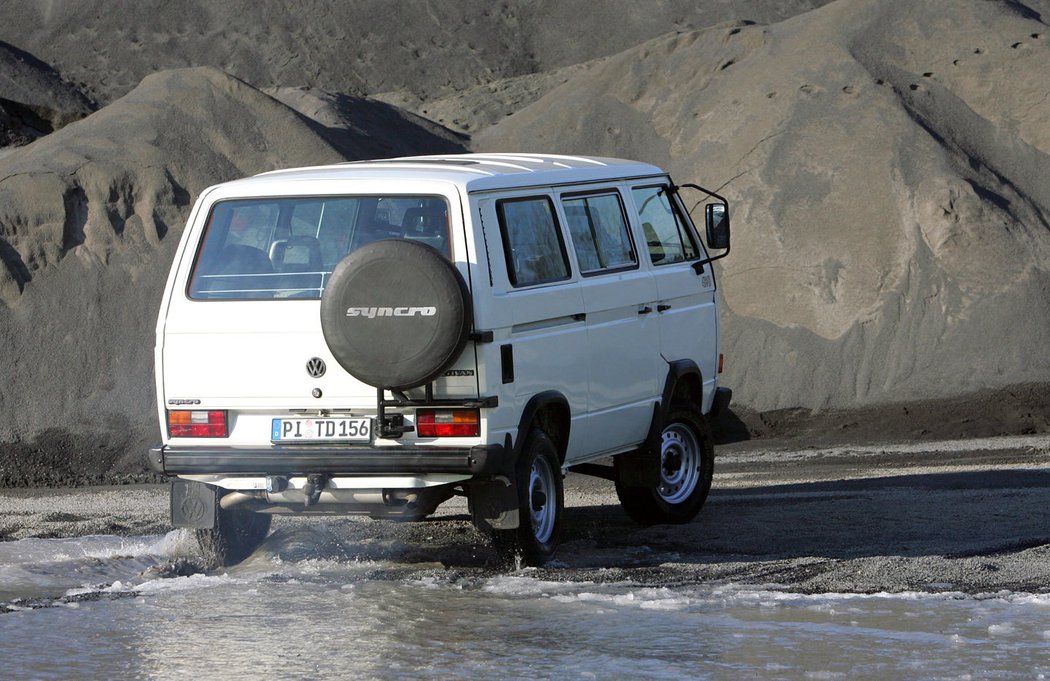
313	495
237	499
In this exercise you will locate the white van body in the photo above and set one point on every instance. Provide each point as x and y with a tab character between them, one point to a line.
603	331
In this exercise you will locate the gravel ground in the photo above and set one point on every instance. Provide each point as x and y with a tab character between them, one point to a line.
964	515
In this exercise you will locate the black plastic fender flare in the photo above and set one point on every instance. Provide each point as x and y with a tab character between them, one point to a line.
641	467
534	406
676	371
495	501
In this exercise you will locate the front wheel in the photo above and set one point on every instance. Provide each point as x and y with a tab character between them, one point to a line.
541	499
236	534
687	462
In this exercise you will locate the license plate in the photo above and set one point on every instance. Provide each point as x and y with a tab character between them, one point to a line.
321	430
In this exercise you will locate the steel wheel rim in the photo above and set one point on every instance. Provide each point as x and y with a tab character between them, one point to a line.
680	459
542	502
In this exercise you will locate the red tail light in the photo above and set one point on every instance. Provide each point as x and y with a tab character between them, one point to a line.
197	424
448	422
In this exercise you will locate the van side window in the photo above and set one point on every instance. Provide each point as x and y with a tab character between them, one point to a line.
532	241
666	233
599	232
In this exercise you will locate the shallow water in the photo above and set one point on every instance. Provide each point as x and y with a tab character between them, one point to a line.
87	608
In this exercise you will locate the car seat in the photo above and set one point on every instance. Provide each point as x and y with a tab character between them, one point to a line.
427	226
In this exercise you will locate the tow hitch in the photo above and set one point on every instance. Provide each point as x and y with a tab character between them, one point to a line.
315	482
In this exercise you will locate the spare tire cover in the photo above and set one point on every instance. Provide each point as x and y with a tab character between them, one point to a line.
395	313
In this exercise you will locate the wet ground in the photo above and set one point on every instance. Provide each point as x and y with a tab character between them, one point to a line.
923	560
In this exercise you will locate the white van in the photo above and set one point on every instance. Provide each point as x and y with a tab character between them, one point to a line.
376	337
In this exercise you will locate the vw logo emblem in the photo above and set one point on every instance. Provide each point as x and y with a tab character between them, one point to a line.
315	367
193	509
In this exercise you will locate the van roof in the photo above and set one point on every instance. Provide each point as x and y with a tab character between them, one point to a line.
476	172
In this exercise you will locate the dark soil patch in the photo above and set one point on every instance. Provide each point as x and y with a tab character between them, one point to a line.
58	458
1017	410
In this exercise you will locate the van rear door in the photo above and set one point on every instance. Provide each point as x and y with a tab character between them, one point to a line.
242	326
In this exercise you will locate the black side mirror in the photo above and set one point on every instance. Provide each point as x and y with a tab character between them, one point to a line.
717	219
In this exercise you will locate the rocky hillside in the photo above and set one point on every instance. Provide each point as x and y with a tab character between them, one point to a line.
361	47
34	99
89	220
886	162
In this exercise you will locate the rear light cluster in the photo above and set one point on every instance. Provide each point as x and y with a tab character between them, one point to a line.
448	422
197	424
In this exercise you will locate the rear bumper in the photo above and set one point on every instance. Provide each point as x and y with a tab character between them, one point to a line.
480	461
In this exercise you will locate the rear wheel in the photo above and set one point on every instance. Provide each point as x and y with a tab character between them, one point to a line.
687	461
541	500
237	533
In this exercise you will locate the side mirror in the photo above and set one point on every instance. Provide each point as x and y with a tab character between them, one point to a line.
717	219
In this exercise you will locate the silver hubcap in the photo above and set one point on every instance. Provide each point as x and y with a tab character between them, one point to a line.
542	501
679	463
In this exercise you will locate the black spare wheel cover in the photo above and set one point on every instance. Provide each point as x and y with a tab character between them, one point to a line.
395	313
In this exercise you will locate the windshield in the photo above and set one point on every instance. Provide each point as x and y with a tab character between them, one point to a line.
288	247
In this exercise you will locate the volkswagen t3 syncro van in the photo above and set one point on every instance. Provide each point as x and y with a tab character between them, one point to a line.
377	337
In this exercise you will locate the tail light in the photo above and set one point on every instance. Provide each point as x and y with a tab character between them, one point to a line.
721	362
448	422
197	424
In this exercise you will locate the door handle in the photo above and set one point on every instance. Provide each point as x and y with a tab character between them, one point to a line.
663	308
579	316
645	310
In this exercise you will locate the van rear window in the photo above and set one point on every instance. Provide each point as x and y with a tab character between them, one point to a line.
288	247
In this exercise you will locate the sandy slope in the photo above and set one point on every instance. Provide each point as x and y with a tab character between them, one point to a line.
473	109
34	99
886	165
886	161
357	47
89	220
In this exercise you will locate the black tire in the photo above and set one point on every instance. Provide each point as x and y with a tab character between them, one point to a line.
236	535
541	504
683	486
395	314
